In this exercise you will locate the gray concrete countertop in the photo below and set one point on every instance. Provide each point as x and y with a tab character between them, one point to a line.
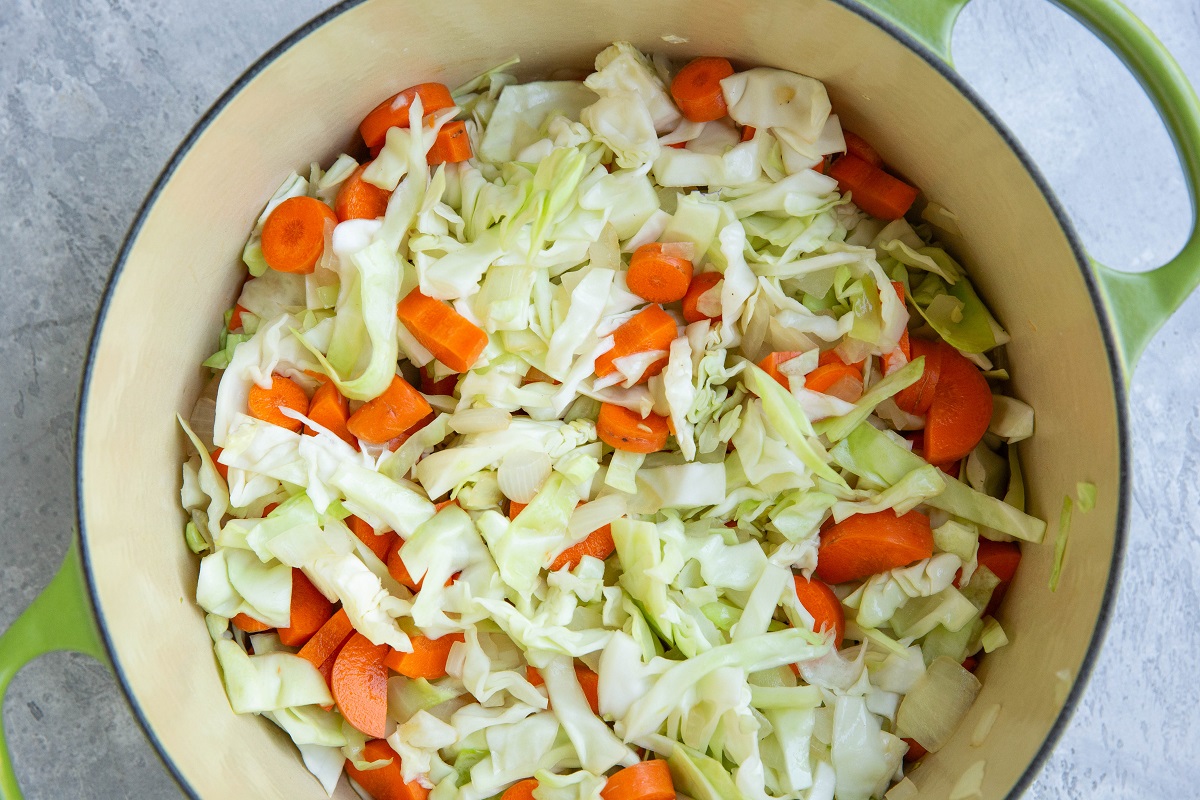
96	95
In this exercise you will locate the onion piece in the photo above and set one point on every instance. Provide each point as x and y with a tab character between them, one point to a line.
480	420
204	413
595	515
935	707
522	473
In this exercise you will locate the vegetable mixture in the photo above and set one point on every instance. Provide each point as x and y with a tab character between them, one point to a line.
624	438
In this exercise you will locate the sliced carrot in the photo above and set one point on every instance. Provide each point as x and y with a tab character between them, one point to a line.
819	167
860	148
700	284
427	659
770	365
385	783
648	330
623	429
293	236
310	611
248	624
820	601
357	199
1002	560
952	469
521	790
873	190
360	685
393	112
451	338
917	398
868	544
588	681
265	404
961	409
822	379
748	132
396	567
379	544
399	408
646	780
697	88
658	277
915	751
235	318
444	387
598	544
451	145
222	469
325	642
515	508
330	409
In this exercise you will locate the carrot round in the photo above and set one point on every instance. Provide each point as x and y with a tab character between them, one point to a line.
770	365
379	544
820	601
917	398
293	236
265	404
515	508
357	199
649	329
1002	560
385	783
222	469
824	378
451	145
647	780
360	685
960	412
393	112
389	415
441	330
325	642
868	544
330	409
427	659
310	611
658	277
873	190
247	623
445	386
598	544
235	318
521	790
860	148
623	429
700	284
697	88
396	567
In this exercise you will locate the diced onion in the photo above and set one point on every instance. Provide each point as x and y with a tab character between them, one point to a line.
522	473
480	420
935	707
592	516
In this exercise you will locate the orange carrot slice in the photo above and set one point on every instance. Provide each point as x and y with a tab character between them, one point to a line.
623	429
385	783
960	412
399	408
360	685
427	659
700	284
647	780
293	237
326	641
310	611
648	330
451	145
656	276
265	404
697	88
441	330
868	544
393	112
357	199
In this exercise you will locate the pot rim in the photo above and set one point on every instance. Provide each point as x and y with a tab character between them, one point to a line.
1106	324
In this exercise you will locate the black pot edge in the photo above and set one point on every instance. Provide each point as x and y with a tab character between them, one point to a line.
1104	617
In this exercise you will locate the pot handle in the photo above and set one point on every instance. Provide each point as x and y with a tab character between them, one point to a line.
1138	303
60	618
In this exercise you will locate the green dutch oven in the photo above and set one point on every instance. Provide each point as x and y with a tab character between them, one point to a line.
124	594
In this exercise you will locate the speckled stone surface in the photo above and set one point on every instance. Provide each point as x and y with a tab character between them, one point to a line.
96	95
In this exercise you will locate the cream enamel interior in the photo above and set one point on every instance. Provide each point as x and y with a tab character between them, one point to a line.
183	272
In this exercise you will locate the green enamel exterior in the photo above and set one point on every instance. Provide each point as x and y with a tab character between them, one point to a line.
1137	303
61	618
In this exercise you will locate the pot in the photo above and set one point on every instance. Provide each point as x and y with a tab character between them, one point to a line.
124	594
